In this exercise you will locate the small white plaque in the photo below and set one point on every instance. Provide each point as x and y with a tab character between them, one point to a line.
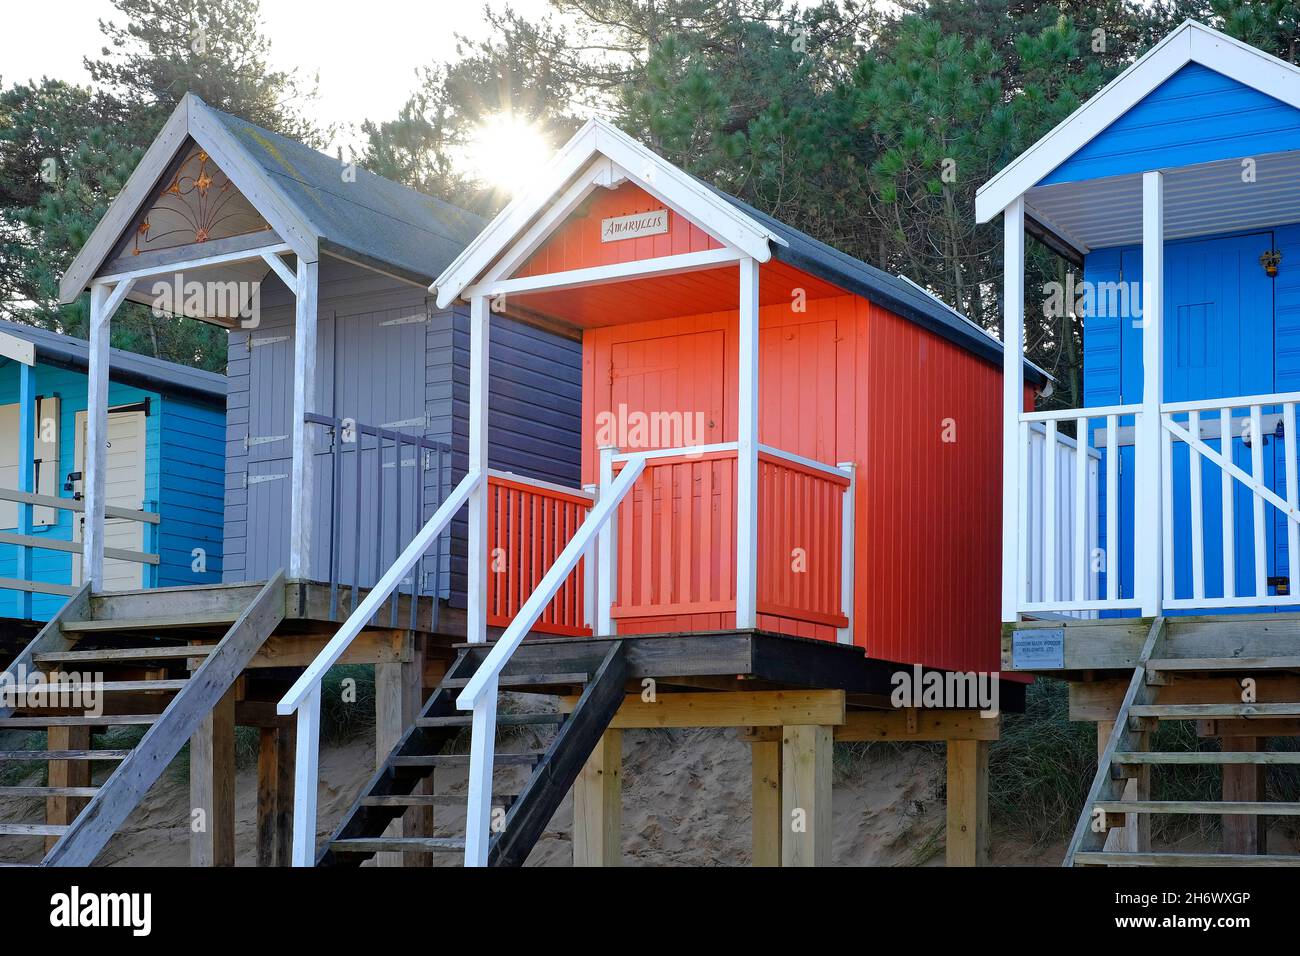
1039	648
653	223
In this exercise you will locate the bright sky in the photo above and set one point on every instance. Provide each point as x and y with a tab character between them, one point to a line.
366	52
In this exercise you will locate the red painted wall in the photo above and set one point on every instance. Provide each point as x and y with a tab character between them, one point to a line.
576	244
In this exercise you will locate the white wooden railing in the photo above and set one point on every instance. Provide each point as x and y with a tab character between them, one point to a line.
1252	424
1209	558
1061	560
480	692
303	698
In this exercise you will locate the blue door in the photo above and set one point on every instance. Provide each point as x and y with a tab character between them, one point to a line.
1218	328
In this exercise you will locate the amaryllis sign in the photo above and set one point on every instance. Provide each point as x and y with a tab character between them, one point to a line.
638	224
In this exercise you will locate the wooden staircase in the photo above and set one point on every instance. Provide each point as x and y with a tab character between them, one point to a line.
159	662
1128	755
523	815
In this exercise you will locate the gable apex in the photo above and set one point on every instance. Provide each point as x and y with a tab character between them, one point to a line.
1192	42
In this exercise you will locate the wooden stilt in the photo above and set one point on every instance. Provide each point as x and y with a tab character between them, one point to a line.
212	787
1244	833
598	805
968	803
66	773
275	794
767	824
398	686
806	796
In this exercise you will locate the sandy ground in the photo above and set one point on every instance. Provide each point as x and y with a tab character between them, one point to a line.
686	802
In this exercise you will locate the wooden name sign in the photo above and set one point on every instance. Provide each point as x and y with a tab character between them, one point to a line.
638	224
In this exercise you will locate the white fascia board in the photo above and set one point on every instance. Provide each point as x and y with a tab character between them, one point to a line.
642	166
20	350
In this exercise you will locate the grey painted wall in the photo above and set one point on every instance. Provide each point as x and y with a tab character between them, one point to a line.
399	360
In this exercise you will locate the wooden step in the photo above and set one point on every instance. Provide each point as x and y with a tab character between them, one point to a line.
399	844
1199	711
1207	757
1118	858
524	680
462	760
1251	807
163	652
503	720
48	791
103	720
137	686
32	829
430	800
125	624
1224	664
64	754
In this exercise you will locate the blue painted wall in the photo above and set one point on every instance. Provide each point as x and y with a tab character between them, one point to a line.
1264	356
184	468
1196	116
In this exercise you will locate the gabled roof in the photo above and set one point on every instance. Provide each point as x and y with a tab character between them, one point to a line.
302	193
143	371
598	139
1192	42
727	218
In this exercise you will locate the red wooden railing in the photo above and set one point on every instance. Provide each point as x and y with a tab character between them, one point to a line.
528	525
676	539
800	532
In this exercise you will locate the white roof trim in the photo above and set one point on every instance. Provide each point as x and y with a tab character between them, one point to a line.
649	171
20	350
192	118
1191	42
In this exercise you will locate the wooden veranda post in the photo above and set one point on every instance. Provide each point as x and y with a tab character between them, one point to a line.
477	545
1148	550
304	386
747	451
1013	397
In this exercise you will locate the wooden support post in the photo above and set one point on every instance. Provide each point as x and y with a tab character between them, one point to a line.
1244	833
598	805
398	686
767	825
275	794
1135	835
212	786
968	803
806	796
66	773
302	482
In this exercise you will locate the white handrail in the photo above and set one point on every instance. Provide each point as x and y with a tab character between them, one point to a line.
479	694
304	696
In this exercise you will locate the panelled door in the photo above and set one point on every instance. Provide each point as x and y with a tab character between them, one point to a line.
1218	332
123	488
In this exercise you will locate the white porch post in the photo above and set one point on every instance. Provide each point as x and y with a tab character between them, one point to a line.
477	550
606	551
1148	550
302	486
103	303
747	451
27	426
1013	398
